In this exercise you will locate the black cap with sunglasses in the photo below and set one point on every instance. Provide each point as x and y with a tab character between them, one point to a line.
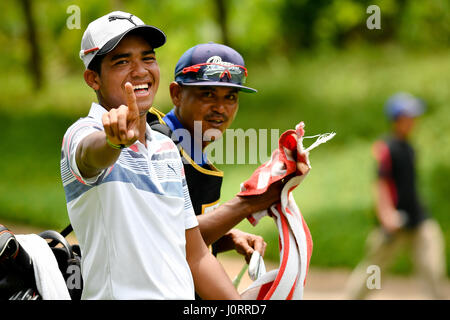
212	64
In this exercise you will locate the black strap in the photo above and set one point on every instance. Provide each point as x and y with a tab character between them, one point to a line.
66	230
162	128
154	123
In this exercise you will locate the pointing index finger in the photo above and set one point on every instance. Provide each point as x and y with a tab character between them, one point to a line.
131	99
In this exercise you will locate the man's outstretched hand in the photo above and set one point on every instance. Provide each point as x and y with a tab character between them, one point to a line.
122	124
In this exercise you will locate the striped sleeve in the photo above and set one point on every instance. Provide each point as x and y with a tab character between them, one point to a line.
190	220
74	135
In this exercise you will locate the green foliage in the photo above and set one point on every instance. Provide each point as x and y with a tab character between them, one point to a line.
342	23
31	190
339	83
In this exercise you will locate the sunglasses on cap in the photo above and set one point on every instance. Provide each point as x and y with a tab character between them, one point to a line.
217	72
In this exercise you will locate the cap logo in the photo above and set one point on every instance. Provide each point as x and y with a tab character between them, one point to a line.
218	65
218	60
115	17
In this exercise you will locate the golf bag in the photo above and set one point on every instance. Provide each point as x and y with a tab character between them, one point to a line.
17	275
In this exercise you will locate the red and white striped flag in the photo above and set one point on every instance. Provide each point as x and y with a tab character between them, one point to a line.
290	161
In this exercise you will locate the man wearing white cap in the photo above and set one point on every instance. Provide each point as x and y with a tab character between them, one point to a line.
125	186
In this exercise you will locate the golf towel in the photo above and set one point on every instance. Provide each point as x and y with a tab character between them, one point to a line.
49	280
289	161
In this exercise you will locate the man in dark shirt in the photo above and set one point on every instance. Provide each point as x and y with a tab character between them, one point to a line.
396	167
402	217
208	80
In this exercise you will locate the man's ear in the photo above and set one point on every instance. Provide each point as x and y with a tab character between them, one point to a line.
92	79
175	93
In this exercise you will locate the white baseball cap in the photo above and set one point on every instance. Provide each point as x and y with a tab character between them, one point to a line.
103	34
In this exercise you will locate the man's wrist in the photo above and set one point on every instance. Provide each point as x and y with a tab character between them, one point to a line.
245	205
115	146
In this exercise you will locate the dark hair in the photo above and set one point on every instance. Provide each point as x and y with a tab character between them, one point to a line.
96	63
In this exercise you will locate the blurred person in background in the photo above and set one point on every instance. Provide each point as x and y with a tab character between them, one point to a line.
402	217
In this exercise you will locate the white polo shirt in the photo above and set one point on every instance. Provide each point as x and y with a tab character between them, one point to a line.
130	220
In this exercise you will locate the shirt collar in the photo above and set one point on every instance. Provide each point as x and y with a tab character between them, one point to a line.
96	111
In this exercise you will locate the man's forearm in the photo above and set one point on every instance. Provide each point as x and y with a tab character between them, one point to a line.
386	211
215	224
94	154
210	279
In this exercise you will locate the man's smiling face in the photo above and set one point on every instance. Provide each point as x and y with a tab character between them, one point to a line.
134	61
215	106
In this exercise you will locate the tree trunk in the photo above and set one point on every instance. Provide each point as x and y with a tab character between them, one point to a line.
35	61
222	20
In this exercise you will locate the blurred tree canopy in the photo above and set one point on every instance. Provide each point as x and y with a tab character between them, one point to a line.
342	22
257	28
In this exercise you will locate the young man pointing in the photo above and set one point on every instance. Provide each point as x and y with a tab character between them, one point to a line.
125	187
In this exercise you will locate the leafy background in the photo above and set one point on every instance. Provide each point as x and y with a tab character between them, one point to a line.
314	61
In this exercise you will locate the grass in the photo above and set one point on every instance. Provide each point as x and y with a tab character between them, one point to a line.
339	91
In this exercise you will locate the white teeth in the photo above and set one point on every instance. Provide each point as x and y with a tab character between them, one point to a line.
140	86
